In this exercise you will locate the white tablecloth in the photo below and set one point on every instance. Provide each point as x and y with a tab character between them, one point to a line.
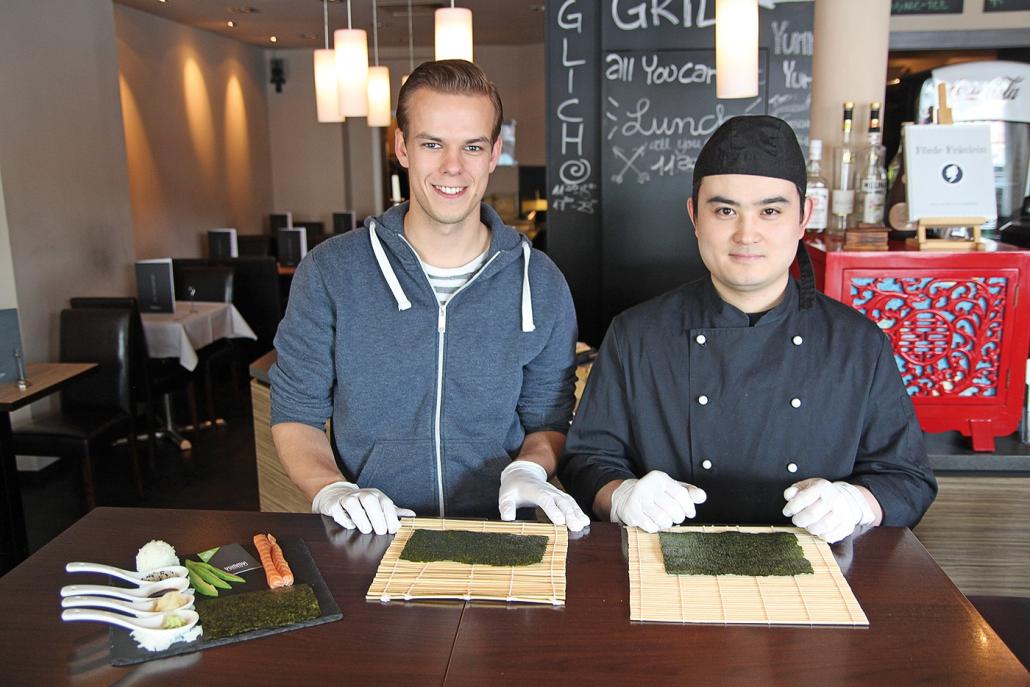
182	333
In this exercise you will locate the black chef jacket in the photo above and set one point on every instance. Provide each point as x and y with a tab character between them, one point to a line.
682	384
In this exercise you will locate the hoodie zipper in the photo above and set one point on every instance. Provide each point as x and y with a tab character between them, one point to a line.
441	334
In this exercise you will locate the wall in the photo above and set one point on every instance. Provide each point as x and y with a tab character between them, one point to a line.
8	294
62	158
306	157
196	131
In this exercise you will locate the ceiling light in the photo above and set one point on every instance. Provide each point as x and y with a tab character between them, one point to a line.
327	99
454	33
378	82
231	24
351	47
273	39
736	48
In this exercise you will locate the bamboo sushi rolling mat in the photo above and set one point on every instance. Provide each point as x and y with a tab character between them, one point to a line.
824	598
542	582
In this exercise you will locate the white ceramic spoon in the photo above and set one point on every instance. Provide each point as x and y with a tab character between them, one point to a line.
129	575
128	593
148	630
141	609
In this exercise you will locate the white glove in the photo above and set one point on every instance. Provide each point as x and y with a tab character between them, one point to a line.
524	483
351	506
655	502
830	510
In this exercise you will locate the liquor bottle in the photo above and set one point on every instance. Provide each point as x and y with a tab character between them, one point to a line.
818	189
897	203
842	199
872	185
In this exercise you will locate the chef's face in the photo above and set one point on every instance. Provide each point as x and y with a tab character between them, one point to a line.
449	155
747	230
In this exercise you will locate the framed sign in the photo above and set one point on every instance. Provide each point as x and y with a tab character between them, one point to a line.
949	171
1006	5
926	7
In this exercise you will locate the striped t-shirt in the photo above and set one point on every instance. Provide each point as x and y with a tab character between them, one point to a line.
447	280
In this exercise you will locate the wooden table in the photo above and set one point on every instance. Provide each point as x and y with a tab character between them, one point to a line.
922	629
44	379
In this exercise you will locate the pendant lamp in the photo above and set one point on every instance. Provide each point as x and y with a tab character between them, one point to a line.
378	82
736	48
327	99
411	49
453	33
352	69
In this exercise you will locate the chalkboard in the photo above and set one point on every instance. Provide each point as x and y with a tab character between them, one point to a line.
631	101
926	7
1006	5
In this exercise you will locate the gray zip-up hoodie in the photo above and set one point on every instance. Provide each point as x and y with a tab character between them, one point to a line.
428	403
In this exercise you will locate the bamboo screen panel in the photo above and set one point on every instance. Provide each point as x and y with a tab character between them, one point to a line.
542	582
823	598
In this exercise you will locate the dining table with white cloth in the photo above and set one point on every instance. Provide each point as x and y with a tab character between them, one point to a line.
191	327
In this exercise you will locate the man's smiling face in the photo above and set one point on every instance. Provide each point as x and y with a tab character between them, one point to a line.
748	228
449	156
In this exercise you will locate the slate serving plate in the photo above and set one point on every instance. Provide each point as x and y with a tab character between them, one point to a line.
125	651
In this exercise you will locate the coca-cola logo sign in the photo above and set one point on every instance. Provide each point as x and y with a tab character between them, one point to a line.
982	91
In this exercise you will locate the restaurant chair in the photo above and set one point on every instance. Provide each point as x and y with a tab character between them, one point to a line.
213	284
97	410
156	378
256	295
255	245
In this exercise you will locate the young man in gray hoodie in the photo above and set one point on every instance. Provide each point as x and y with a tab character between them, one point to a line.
437	340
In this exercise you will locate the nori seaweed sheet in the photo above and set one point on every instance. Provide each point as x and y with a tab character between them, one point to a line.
232	615
733	553
476	548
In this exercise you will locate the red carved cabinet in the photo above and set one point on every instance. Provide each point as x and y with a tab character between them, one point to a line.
958	322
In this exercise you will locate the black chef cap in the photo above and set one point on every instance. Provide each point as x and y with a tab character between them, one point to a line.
763	146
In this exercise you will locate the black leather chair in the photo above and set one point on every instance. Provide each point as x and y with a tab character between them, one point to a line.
212	283
256	295
255	245
153	378
96	410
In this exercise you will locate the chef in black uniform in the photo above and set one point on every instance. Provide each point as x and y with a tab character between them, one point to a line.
747	397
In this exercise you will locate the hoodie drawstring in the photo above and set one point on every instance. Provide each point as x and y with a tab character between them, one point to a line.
388	274
527	297
528	325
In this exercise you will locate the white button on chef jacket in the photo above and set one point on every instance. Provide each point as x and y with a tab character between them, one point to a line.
700	339
702	399
795	402
706	464
797	340
792	467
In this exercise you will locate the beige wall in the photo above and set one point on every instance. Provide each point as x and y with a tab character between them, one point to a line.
972	18
62	158
8	295
196	130
307	157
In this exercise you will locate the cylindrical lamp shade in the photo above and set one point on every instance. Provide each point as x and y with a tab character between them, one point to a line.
454	34
351	47
736	48
326	98
378	96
